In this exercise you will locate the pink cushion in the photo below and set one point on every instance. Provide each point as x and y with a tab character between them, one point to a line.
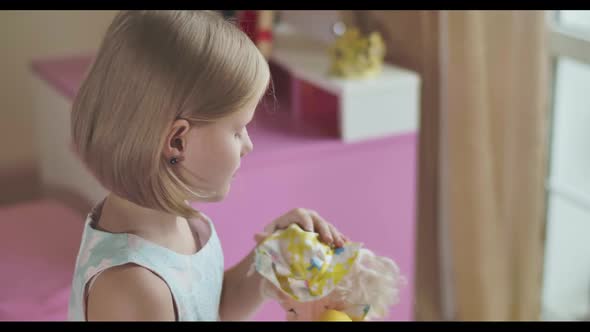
39	242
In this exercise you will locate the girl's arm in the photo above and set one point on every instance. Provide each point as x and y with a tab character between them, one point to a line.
129	293
241	296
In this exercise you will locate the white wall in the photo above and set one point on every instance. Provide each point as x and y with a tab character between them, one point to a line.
27	35
313	23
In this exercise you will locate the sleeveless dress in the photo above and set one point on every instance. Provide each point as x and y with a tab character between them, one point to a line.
195	281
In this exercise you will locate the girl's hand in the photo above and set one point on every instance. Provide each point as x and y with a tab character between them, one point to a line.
309	221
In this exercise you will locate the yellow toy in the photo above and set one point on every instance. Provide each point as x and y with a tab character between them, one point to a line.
354	56
315	282
331	315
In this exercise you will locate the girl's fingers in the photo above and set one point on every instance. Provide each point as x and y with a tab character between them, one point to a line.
301	217
309	221
324	228
270	228
338	238
259	237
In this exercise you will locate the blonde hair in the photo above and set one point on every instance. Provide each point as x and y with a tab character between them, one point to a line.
373	280
152	68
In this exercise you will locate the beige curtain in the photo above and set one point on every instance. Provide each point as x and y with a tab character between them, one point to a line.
495	125
482	157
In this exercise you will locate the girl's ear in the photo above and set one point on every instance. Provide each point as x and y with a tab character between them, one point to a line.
176	139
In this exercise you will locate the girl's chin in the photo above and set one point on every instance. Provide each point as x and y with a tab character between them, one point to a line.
221	194
218	196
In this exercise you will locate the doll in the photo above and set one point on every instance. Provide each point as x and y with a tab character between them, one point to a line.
355	56
315	282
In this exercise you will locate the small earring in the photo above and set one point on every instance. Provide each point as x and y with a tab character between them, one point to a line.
175	160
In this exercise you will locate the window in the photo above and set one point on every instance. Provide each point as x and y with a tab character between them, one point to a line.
566	284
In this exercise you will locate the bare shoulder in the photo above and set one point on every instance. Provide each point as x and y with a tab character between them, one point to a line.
129	293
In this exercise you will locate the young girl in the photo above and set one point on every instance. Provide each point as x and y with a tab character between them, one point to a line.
161	121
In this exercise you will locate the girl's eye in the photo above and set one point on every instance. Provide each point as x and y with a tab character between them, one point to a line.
292	311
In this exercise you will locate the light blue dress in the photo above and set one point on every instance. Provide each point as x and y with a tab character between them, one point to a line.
195	280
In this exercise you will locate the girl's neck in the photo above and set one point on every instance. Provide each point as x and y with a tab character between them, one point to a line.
119	215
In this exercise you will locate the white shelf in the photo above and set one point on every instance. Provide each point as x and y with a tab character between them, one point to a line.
387	104
308	59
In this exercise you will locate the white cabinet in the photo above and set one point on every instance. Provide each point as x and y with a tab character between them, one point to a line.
360	109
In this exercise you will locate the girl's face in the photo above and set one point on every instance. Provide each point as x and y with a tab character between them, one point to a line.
214	151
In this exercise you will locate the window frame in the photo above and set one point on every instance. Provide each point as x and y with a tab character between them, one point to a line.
574	44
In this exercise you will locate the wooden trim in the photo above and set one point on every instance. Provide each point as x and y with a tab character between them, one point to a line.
428	272
445	245
412	41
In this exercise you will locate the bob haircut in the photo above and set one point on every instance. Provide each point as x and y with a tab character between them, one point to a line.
152	68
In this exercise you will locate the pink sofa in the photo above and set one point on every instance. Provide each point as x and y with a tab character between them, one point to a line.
39	242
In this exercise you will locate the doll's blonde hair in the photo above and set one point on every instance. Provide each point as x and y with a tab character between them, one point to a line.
373	280
152	68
